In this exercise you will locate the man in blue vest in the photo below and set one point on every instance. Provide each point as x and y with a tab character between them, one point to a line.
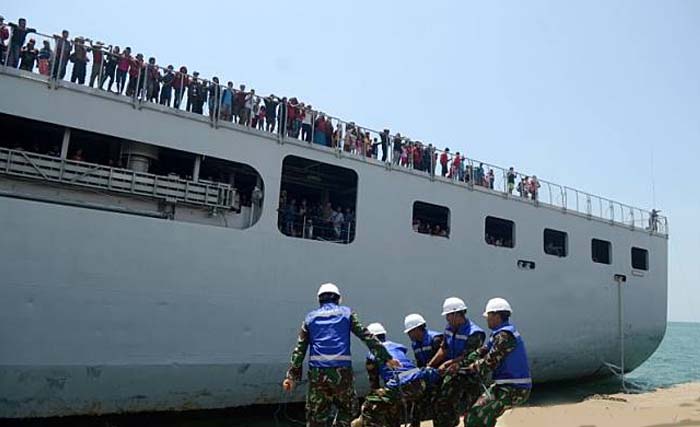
425	343
505	357
325	332
457	391
403	386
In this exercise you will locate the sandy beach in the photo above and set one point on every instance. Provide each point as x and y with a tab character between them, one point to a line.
677	406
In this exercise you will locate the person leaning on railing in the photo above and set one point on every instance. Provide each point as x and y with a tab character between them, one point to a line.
19	35
4	35
79	59
110	67
61	55
28	56
44	58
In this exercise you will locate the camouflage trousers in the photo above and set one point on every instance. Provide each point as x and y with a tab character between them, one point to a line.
423	408
493	404
455	396
388	407
330	387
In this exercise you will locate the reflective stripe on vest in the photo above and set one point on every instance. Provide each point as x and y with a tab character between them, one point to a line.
323	357
457	341
514	381
423	350
329	336
514	369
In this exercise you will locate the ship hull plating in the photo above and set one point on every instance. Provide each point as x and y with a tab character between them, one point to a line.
105	312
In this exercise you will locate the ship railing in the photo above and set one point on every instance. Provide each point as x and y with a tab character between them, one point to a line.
350	139
313	228
95	176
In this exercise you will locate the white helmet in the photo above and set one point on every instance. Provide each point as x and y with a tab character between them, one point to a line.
412	321
376	329
328	288
453	304
497	304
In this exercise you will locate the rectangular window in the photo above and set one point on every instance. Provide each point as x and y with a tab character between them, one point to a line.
640	259
601	251
317	201
556	242
431	219
500	232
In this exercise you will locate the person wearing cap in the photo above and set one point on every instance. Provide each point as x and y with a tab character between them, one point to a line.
79	58
28	56
44	58
325	332
403	386
462	337
505	357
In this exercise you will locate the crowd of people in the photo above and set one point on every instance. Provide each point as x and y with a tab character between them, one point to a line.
315	220
425	227
119	71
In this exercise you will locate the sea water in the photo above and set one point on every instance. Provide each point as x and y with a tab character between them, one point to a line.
677	360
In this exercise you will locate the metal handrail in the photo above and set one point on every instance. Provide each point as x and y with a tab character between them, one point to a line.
84	174
562	197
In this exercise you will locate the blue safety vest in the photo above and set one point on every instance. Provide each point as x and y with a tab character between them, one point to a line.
329	336
423	350
430	375
397	352
513	370
457	341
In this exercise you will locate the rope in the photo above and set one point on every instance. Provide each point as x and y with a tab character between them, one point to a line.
281	415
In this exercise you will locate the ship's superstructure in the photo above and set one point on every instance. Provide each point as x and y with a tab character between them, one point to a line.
157	266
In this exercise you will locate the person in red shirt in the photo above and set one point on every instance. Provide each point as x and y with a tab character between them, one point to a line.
4	35
122	69
136	68
443	161
97	49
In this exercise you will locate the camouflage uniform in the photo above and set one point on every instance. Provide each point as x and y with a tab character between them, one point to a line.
457	391
423	409
331	386
388	407
494	402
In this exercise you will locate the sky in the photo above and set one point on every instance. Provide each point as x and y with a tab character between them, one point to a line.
598	95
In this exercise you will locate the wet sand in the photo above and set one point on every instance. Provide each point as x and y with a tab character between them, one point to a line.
678	406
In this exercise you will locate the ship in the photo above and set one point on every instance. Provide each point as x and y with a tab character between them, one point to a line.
151	262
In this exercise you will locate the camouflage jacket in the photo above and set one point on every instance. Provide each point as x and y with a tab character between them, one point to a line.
299	352
482	361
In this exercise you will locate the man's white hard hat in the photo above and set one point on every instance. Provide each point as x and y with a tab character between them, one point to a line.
328	288
497	304
453	304
412	321
376	329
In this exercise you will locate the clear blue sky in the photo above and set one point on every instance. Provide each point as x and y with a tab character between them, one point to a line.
599	95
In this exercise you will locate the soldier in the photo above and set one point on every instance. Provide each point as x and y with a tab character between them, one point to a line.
425	343
404	386
326	333
462	337
504	355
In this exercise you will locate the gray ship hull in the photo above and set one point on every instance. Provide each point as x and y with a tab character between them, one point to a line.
104	312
